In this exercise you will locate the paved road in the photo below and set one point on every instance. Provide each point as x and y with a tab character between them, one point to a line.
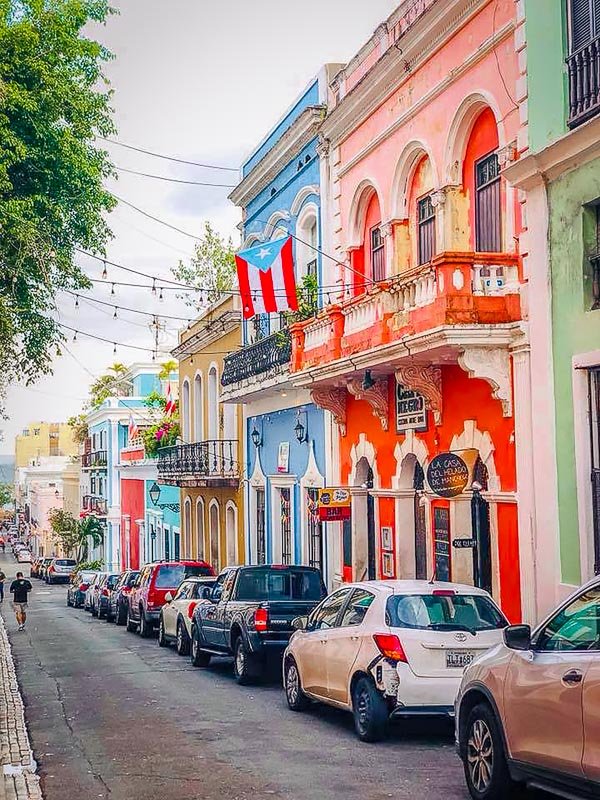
113	715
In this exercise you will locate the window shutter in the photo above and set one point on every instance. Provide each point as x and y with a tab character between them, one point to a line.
581	22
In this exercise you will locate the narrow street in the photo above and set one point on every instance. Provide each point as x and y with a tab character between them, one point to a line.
110	714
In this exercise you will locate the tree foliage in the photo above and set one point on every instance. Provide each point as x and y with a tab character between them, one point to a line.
111	384
54	101
6	494
73	535
211	269
79	426
167	368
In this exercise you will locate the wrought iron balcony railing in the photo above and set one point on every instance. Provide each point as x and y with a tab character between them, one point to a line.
97	458
211	459
94	504
258	358
584	83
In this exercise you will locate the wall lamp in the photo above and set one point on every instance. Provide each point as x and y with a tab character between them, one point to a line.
256	437
154	493
301	432
368	382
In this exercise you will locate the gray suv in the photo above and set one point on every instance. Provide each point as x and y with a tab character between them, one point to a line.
59	570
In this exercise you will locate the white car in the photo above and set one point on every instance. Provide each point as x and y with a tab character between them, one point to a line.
175	623
385	649
24	556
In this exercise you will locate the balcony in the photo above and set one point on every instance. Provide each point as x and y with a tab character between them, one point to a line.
584	83
199	464
95	458
94	504
257	364
457	291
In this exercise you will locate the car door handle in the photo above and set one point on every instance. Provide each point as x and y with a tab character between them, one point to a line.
354	638
323	641
573	677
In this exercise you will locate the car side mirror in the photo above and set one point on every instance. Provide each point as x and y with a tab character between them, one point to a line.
169	597
206	592
300	623
517	637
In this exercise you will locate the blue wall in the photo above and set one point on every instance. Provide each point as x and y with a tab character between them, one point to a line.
144	384
170	519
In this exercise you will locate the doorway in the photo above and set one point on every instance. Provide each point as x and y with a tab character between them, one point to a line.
481	532
363	512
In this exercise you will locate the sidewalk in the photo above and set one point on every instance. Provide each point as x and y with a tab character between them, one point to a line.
18	779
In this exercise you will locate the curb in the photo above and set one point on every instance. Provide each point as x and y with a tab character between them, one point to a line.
18	778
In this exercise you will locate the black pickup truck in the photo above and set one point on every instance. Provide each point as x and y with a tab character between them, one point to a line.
248	614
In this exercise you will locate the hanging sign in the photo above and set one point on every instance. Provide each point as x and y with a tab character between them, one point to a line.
334	504
283	457
410	410
447	475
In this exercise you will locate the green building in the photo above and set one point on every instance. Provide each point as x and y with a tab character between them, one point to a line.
556	170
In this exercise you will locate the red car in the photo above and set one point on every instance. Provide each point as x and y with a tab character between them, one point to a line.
148	593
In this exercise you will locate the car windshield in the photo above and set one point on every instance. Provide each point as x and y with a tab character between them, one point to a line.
65	562
279	584
112	581
132	578
447	612
171	575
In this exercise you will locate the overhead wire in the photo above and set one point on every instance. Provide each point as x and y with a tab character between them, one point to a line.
169	158
175	180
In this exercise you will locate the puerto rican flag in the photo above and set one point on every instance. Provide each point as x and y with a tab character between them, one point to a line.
266	278
133	428
170	406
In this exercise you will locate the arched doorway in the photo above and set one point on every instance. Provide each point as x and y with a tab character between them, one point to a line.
231	532
200	529
363	511
480	523
213	531
187	527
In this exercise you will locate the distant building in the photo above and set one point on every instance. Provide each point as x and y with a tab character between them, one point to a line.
38	490
43	439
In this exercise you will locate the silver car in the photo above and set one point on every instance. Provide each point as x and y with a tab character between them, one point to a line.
59	570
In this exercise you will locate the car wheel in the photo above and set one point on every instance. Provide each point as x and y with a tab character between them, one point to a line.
101	614
162	639
49	581
197	656
121	615
296	699
69	603
370	711
486	770
132	625
244	663
183	640
145	627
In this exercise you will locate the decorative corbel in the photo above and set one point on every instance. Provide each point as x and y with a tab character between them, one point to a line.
377	397
332	399
427	381
491	365
438	198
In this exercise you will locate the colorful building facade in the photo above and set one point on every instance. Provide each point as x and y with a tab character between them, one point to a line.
285	441
422	358
558	180
43	440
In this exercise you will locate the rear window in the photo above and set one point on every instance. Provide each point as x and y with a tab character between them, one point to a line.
132	578
65	562
279	584
171	575
458	612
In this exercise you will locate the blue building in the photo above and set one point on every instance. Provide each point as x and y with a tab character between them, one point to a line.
285	432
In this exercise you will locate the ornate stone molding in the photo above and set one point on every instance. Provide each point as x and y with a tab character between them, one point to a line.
438	198
426	380
507	154
323	146
332	399
377	397
491	365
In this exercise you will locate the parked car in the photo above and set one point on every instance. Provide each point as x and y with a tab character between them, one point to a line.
105	586
35	567
175	622
24	556
249	615
78	586
91	596
43	569
385	649
149	591
528	712
59	570
119	597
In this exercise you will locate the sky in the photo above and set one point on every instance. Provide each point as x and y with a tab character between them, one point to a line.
201	80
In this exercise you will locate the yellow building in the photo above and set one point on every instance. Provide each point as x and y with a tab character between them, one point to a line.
43	439
207	464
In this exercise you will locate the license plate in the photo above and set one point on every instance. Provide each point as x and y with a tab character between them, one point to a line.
459	658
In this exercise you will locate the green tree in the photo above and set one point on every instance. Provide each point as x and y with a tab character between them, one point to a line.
211	269
111	384
89	529
6	494
167	368
64	527
79	426
54	102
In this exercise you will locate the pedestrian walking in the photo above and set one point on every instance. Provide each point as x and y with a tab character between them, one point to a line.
20	588
2	579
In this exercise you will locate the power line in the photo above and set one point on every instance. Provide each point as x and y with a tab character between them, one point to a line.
125	308
168	158
175	180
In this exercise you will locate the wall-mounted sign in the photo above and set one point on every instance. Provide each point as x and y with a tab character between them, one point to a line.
387	538
447	475
283	457
461	544
410	410
334	504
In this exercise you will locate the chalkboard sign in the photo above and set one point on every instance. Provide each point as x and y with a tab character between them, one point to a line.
447	475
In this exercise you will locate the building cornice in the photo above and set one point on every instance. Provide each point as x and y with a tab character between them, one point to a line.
212	331
574	149
292	142
426	35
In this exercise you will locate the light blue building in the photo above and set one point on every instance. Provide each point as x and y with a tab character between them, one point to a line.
285	432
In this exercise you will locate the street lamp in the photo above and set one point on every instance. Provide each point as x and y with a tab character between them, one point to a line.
368	382
300	432
154	493
57	494
255	436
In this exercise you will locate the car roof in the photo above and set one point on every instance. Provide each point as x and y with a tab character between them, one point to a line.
200	579
416	587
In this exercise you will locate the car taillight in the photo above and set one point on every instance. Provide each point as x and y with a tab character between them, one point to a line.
191	607
105	592
126	590
443	593
83	587
51	569
390	646
261	620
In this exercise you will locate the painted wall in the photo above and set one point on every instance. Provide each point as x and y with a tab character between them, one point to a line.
132	506
34	441
169	520
198	542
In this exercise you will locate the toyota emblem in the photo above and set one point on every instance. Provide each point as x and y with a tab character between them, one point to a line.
460	637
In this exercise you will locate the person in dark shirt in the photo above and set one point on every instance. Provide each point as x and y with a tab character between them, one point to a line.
19	589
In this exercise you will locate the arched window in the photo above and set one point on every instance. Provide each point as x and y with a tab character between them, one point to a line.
198	408
373	241
200	529
422	212
185	411
307	241
213	403
231	532
187	526
482	183
214	533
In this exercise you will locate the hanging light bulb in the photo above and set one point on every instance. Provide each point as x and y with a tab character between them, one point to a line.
75	336
112	290
114	348
104	272
76	301
160	296
115	314
153	355
153	285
